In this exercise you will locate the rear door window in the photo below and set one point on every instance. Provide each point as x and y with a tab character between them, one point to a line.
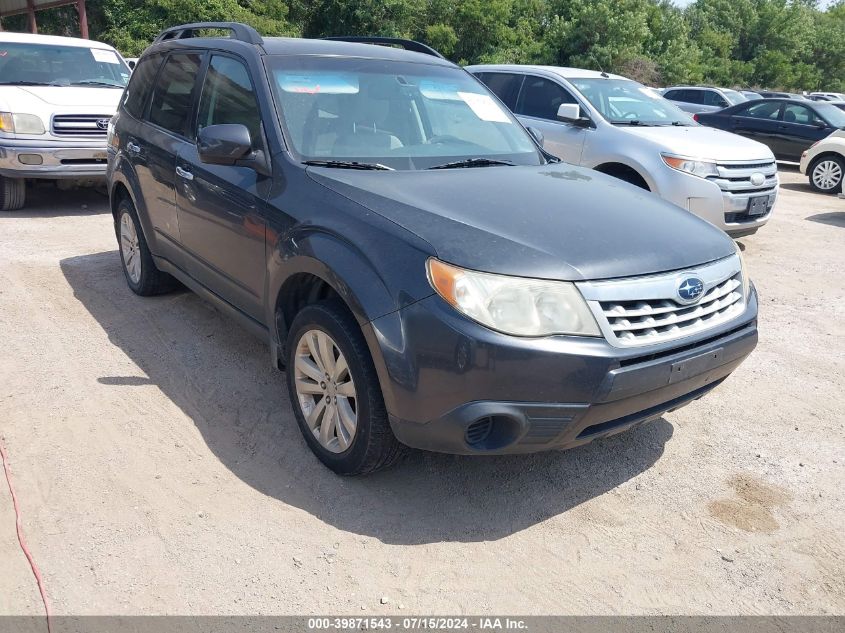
762	110
541	98
174	92
504	85
140	86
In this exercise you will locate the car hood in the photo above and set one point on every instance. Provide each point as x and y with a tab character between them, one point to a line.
105	100
552	221
698	141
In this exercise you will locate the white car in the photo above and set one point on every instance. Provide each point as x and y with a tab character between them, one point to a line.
824	163
57	96
619	127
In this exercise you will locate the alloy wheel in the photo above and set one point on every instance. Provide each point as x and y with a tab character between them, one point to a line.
827	175
130	248
326	391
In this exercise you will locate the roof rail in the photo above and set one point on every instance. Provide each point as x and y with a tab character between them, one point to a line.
241	32
408	45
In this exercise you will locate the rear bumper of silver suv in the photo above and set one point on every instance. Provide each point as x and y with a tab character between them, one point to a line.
53	159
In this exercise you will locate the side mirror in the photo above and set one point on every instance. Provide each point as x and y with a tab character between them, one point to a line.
537	134
571	113
231	144
224	144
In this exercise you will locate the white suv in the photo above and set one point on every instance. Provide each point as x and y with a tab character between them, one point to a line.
57	96
619	127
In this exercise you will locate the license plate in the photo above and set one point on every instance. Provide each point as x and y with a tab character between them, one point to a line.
758	205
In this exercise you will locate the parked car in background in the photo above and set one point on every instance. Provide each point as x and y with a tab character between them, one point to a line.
827	96
424	272
787	126
750	95
57	95
768	94
131	62
838	104
824	163
618	127
696	99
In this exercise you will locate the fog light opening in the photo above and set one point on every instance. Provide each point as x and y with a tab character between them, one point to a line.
31	159
492	432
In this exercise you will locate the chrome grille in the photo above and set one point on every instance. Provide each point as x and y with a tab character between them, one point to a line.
736	177
80	124
648	310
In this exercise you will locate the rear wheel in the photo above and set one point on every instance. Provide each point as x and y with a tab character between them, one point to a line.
140	270
826	174
12	193
335	392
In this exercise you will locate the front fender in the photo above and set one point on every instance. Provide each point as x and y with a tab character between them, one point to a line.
370	286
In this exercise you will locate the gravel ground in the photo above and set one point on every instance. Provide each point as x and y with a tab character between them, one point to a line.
160	469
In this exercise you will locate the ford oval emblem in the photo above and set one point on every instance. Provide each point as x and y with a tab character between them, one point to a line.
690	289
757	179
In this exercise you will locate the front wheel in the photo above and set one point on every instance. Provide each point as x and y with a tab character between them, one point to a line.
335	392
826	174
12	193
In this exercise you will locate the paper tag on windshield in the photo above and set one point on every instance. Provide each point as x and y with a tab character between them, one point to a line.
484	107
105	56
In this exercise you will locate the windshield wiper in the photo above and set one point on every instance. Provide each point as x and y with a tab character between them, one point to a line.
25	83
635	122
94	82
346	164
473	162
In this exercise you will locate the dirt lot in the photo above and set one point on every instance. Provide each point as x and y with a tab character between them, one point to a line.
160	469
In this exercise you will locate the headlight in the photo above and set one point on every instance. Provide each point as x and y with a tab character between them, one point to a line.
14	123
701	168
746	281
514	305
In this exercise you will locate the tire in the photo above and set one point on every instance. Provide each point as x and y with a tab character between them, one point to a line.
372	446
12	193
141	274
826	174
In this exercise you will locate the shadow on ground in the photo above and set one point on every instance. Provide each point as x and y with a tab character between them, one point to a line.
44	200
834	218
220	376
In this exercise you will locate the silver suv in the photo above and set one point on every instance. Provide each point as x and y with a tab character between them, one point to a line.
619	127
697	99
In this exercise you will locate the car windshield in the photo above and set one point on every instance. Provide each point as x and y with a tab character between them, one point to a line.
396	114
48	65
625	102
734	97
831	114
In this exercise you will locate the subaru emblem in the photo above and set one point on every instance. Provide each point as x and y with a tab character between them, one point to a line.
690	289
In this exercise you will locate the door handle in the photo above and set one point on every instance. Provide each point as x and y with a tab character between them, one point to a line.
133	148
184	173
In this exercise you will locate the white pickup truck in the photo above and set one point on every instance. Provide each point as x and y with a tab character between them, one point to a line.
57	95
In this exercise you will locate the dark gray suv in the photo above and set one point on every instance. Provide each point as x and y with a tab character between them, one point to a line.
425	272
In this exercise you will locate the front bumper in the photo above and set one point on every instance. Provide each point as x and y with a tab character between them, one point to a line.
453	386
726	208
53	160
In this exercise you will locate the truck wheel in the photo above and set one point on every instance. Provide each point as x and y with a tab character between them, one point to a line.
12	193
826	174
138	266
335	393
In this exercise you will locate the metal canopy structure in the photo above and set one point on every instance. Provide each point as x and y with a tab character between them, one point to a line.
31	7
